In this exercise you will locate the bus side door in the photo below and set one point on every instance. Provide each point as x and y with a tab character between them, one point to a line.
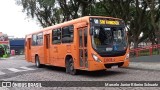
47	49
82	40
28	50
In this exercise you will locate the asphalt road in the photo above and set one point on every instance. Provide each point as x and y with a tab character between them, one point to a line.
17	69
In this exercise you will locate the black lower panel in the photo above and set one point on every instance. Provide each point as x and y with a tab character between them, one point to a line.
114	64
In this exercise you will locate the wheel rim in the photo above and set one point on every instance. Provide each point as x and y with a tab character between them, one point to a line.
71	66
37	63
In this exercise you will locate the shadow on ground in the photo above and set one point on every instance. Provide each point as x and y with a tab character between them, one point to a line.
102	73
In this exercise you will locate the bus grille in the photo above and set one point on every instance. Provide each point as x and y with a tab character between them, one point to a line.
113	64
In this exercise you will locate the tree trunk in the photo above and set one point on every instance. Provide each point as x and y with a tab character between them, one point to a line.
135	41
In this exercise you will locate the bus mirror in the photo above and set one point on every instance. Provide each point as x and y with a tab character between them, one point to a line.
91	30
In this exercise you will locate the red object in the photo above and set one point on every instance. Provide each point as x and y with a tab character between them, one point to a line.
4	42
12	52
150	48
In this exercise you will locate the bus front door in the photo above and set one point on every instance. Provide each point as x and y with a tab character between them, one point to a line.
82	33
47	50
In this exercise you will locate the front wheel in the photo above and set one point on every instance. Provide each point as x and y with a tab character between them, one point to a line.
70	67
37	62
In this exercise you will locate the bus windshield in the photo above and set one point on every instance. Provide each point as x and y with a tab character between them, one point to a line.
109	39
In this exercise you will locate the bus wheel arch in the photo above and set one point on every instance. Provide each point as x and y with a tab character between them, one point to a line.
126	63
37	61
69	64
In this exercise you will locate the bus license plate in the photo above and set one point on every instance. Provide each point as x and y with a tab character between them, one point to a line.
115	66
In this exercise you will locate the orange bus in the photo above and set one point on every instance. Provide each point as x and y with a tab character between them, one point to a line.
88	43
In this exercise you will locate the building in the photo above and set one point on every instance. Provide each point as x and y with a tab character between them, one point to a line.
17	44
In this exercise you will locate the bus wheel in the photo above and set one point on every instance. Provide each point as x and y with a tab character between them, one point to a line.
37	62
70	67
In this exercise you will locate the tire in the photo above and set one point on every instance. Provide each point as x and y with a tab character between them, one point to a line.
70	67
37	62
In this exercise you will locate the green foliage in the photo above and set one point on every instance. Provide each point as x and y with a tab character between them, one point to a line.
139	15
5	50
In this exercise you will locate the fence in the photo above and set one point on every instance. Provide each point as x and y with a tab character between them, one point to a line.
143	51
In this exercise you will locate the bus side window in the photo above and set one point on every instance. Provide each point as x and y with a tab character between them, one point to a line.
85	37
56	36
40	39
67	34
37	39
80	39
34	40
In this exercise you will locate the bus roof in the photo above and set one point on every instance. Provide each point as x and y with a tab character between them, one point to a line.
81	19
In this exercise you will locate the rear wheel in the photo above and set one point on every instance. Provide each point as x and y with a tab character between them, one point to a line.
37	62
70	67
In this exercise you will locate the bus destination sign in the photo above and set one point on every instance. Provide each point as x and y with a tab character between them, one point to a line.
104	21
109	22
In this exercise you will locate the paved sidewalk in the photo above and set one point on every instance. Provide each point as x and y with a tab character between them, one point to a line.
145	62
145	65
22	57
153	58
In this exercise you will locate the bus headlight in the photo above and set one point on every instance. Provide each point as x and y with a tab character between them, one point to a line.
127	57
96	58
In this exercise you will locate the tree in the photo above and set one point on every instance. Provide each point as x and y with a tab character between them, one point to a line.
69	9
44	11
154	6
141	16
50	12
131	12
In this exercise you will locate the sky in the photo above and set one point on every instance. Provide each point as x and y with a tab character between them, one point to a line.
14	22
